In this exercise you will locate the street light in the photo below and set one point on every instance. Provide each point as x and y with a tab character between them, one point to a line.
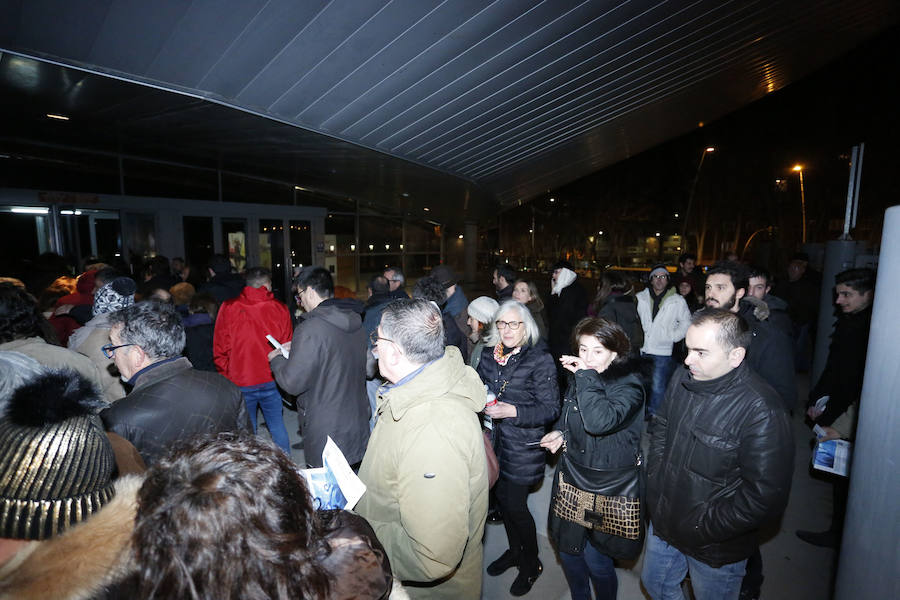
799	169
687	213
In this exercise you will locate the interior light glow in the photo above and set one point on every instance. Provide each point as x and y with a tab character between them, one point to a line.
57	117
30	211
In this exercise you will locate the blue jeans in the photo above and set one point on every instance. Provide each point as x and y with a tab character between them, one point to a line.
590	566
266	397
662	372
665	568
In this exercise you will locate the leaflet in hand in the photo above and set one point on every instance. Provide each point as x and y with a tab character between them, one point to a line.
284	351
334	485
833	456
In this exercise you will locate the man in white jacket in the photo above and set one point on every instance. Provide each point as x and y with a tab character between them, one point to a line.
665	318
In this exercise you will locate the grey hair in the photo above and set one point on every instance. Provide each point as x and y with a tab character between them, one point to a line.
532	334
153	325
415	325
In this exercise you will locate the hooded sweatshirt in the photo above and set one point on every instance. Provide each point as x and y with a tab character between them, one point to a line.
240	347
327	371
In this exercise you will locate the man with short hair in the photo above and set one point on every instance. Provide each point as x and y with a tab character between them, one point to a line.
503	280
665	318
170	400
327	369
719	466
687	268
759	288
223	284
396	280
841	384
240	349
379	296
425	467
771	353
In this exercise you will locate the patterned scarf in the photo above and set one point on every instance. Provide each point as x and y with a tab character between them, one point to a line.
500	357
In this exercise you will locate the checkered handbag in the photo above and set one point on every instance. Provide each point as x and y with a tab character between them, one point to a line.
605	500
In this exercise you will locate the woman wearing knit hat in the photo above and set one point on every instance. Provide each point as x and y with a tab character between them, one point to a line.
57	497
88	340
481	311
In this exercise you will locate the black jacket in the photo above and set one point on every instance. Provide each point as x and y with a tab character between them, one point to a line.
172	402
771	355
327	371
532	388
842	378
564	312
602	420
224	286
720	464
622	309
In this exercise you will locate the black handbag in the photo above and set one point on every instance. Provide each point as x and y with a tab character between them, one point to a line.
605	500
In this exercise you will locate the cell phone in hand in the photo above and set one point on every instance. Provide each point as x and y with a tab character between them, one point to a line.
820	433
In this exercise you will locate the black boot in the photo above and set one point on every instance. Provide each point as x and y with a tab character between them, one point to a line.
525	579
502	564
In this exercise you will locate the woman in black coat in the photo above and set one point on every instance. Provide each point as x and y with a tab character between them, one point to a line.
600	428
517	368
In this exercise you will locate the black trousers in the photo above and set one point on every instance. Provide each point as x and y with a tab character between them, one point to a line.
519	524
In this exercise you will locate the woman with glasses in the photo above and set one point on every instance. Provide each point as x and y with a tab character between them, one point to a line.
517	368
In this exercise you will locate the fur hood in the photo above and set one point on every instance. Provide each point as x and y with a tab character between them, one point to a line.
80	563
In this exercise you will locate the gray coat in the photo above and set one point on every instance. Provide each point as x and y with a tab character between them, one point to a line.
173	401
327	371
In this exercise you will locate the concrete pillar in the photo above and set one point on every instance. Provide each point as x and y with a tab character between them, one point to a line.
870	553
470	251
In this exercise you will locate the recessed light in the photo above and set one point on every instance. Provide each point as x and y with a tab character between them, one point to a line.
57	117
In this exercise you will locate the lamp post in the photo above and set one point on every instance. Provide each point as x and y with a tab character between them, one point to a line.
687	213
799	169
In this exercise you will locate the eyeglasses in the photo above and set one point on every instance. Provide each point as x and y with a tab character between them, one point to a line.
510	324
660	277
374	337
109	350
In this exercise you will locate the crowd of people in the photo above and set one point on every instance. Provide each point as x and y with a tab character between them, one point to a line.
131	464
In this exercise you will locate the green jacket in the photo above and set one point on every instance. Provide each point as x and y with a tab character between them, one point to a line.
426	476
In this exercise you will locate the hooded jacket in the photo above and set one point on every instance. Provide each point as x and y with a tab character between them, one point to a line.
327	371
670	325
534	391
240	347
601	420
83	562
564	310
720	464
427	482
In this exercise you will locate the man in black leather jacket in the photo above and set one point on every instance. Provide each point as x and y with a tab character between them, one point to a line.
719	467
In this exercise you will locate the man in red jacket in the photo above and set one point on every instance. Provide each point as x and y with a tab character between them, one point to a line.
240	348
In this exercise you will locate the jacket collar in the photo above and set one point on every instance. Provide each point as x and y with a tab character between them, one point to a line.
159	370
446	377
719	385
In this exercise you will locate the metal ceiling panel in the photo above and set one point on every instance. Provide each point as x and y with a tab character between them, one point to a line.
509	97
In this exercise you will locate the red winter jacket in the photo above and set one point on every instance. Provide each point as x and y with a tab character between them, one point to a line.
240	346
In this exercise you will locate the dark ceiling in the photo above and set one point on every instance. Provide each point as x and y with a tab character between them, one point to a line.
459	105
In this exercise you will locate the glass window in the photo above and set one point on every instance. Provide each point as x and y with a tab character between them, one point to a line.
140	238
271	254
26	235
234	234
198	240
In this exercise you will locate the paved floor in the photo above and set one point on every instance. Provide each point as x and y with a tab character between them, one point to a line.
793	569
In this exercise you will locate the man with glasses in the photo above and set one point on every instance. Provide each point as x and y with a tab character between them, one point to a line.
326	369
170	400
425	467
396	281
665	318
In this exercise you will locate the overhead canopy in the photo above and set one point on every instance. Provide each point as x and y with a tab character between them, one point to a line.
462	106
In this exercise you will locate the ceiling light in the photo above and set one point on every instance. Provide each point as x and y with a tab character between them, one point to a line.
31	211
460	236
426	209
57	117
